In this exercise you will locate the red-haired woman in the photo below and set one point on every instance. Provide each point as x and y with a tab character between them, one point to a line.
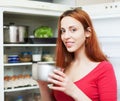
86	73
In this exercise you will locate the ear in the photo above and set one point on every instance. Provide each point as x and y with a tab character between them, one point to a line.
88	32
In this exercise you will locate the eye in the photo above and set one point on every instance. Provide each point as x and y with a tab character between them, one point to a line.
62	31
72	30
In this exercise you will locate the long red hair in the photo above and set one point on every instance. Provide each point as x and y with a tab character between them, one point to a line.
92	48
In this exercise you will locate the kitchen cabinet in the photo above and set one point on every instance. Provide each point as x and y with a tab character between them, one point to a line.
31	14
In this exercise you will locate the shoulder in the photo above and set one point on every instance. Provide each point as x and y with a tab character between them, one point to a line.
105	65
105	68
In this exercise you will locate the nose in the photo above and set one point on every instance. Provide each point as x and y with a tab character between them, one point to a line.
66	35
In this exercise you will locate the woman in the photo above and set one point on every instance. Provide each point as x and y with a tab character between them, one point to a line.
86	73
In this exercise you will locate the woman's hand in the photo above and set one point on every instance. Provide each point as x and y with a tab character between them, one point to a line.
61	82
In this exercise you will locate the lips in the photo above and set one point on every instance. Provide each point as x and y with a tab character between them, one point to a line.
69	44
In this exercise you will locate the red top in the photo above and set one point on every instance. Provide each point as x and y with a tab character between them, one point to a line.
99	85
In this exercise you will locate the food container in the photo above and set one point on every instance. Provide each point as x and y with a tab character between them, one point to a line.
36	57
15	34
10	33
5	58
22	33
25	56
13	58
33	40
37	54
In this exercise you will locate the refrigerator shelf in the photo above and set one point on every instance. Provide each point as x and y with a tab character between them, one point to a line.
21	89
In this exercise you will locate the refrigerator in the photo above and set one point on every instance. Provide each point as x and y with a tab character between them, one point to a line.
106	20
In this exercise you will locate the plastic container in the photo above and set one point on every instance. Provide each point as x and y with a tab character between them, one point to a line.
25	56
13	59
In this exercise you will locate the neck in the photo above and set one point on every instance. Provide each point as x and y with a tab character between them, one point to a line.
80	54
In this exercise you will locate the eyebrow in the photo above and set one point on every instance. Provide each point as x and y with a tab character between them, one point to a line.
71	26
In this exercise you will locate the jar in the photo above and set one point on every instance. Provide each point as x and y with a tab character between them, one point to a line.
25	56
36	56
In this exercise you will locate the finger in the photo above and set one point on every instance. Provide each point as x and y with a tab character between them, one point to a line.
56	77
49	85
56	88
56	82
59	73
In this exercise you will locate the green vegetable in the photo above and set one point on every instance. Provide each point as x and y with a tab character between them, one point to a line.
43	32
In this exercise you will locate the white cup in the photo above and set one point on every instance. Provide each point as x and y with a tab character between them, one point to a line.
40	71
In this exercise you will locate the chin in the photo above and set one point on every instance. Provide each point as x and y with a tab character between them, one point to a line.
70	50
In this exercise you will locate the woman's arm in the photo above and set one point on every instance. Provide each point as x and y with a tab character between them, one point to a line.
46	94
107	84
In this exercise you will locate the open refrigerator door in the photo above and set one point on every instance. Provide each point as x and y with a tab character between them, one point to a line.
106	20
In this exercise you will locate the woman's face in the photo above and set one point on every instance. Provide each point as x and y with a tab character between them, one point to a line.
72	34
